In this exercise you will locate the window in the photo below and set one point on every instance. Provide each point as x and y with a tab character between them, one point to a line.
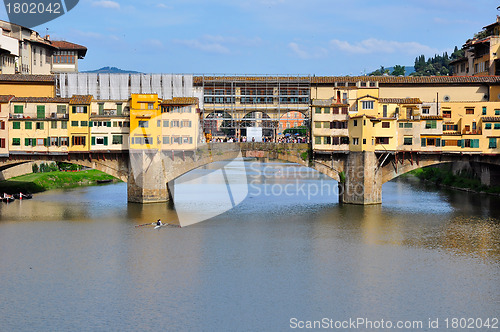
484	110
497	126
367	105
39	125
101	108
63	141
176	140
187	140
79	109
16	125
53	141
317	140
2	125
40	112
78	140
327	140
469	111
74	123
386	125
381	140
18	109
186	123
29	142
2	143
326	110
118	108
355	123
446	114
53	124
317	110
175	123
407	141
425	110
497	112
165	123
326	125
384	111
158	123
61	109
408	125
151	106
64	125
355	141
16	141
493	143
430	124
143	124
166	139
117	139
83	123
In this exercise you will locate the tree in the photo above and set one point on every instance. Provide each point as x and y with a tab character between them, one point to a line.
398	70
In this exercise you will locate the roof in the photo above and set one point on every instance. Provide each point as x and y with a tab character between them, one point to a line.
27	78
200	79
407	79
366	96
5	98
491	118
80	100
180	101
431	117
64	45
328	102
362	115
39	100
400	101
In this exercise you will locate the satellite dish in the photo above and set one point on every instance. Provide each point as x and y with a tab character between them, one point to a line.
446	98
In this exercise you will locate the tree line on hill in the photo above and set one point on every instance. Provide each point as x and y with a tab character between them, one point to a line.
439	65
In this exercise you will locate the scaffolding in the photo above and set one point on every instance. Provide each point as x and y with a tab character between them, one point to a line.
234	103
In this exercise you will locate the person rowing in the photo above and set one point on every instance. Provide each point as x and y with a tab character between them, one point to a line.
159	223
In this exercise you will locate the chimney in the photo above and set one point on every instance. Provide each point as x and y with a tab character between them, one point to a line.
47	37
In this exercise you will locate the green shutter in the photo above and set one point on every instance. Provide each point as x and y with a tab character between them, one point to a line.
118	109
105	140
443	142
73	109
93	140
40	112
16	125
438	142
423	142
85	109
18	109
108	123
27	142
28	125
46	141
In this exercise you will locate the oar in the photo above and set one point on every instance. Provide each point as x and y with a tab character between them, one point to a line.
148	224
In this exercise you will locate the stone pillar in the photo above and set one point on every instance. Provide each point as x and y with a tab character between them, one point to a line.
146	182
363	181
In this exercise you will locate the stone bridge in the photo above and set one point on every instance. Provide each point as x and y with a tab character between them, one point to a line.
150	173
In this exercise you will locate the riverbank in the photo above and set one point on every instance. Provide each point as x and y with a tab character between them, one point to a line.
446	178
38	182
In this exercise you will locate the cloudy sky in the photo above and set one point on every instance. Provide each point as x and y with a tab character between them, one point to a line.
320	37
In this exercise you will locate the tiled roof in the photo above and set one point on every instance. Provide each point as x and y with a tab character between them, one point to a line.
40	100
80	100
431	117
5	98
27	78
400	101
362	115
327	102
491	118
200	79
407	79
64	45
180	101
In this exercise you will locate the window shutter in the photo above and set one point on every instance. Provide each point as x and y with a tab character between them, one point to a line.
27	142
93	140
46	141
33	142
423	142
73	109
84	109
91	123
438	142
108	123
443	143
106	139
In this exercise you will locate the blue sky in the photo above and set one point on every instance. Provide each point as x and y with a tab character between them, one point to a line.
320	37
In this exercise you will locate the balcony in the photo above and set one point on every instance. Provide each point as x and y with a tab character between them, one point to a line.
471	132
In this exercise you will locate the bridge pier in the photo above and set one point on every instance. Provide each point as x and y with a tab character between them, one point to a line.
146	182
363	180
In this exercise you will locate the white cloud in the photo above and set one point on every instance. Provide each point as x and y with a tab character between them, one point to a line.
154	43
106	4
373	45
204	45
313	53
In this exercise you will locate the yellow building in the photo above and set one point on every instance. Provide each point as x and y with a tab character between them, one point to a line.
180	123
145	128
4	125
110	126
329	125
78	123
38	125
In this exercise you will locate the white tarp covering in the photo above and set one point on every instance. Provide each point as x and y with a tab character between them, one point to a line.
92	84
254	132
177	92
104	86
156	85
135	83
82	84
63	86
146	83
166	81
188	85
72	84
124	87
114	82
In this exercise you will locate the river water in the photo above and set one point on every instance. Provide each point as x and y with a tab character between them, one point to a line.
287	255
